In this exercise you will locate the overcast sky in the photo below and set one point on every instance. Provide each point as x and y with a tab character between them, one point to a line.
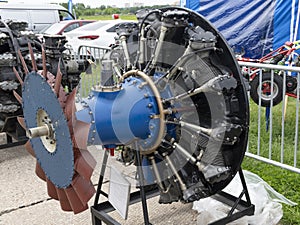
97	3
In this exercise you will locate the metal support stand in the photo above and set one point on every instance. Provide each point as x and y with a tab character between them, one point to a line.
99	211
101	178
15	134
10	143
142	187
239	207
245	208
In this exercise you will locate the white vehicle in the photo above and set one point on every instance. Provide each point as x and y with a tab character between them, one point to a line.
64	26
98	34
37	16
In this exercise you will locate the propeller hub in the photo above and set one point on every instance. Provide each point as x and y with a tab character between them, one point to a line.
44	130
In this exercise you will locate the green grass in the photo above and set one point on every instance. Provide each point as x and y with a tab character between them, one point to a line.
90	79
289	132
285	182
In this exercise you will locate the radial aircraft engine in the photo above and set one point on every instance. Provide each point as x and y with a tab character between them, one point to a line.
170	89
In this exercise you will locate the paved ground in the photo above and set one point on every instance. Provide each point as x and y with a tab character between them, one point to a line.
24	199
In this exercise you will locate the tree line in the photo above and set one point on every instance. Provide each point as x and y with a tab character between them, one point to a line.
82	10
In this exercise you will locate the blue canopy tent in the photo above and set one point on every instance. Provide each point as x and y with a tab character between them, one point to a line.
253	26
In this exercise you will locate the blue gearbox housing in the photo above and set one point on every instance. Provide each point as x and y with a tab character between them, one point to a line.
125	113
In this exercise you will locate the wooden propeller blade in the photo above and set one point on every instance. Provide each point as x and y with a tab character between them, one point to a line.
33	62
18	76
23	62
85	164
21	121
58	79
29	148
63	200
81	133
44	62
84	188
18	97
40	172
74	200
69	109
52	190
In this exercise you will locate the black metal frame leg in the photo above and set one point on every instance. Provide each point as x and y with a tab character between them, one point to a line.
245	208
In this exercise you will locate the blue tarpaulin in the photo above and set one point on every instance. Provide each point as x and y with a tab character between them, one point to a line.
251	26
